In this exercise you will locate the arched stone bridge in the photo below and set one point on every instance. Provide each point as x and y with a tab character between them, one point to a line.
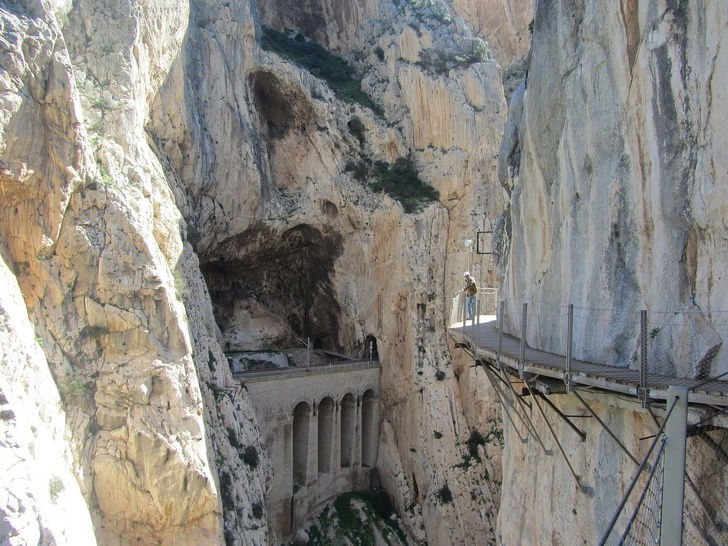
320	427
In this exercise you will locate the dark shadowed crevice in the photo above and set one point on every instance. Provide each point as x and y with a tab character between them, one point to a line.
281	278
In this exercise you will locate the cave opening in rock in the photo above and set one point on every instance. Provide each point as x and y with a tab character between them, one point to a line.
272	289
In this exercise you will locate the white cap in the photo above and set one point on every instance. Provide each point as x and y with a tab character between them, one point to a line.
466	274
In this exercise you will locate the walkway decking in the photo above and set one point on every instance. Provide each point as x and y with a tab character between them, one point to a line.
483	341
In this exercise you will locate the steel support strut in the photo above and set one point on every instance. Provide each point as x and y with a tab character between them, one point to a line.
553	434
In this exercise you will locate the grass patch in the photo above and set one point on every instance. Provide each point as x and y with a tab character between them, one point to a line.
335	71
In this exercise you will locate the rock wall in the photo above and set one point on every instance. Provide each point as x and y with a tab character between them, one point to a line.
616	175
91	231
543	504
617	181
169	190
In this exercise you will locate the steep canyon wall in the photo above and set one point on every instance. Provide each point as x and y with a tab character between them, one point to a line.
614	163
170	190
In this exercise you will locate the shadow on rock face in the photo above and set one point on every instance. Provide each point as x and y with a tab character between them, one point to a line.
279	277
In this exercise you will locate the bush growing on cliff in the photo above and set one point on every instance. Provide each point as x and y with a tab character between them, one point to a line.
399	180
335	71
444	494
402	182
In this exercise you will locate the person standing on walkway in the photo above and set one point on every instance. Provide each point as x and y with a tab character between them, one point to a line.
470	290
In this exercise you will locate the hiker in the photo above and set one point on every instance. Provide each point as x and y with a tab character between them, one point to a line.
470	290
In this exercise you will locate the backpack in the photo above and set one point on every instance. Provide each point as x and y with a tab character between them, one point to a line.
472	287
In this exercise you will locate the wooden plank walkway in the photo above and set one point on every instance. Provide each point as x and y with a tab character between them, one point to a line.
483	341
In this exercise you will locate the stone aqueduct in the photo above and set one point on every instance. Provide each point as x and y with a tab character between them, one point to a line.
320	427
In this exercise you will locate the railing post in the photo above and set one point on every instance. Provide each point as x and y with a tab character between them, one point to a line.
477	309
522	354
673	490
642	391
501	311
569	344
465	307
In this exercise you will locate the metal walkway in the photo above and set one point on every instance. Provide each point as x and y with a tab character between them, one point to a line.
482	340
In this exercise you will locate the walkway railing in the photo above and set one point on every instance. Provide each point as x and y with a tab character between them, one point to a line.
682	344
677	492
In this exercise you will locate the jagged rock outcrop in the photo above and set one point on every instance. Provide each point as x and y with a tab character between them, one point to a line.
618	198
91	231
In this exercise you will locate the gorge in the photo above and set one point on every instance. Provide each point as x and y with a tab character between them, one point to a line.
185	181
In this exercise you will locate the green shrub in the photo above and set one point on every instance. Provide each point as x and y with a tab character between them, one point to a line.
439	375
55	488
476	439
401	182
444	494
250	456
334	70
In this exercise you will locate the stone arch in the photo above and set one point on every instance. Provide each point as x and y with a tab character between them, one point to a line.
348	426
325	433
369	427
301	419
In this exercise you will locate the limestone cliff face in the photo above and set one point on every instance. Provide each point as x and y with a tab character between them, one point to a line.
90	229
542	503
169	191
617	176
614	162
395	274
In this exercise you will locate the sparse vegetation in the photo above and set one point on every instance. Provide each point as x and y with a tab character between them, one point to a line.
55	488
72	388
476	439
439	375
250	456
441	61
437	434
399	180
337	73
106	179
357	129
444	494
257	510
402	182
94	331
357	518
